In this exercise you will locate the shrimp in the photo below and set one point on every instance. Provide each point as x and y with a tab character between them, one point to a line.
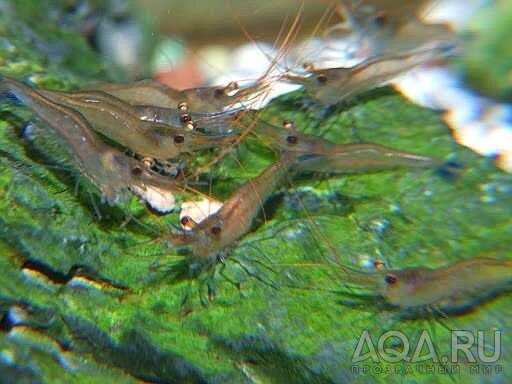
218	122
424	287
386	28
412	287
106	167
316	154
219	230
287	138
201	100
329	86
209	99
118	121
139	93
350	158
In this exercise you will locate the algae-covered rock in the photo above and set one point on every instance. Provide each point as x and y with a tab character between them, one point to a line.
87	295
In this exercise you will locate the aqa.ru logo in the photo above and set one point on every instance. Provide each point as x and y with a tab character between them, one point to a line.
462	342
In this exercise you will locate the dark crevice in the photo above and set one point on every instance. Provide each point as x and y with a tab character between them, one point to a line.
58	277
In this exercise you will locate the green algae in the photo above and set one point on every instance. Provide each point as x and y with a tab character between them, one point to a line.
487	54
294	321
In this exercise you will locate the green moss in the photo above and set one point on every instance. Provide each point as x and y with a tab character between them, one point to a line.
306	329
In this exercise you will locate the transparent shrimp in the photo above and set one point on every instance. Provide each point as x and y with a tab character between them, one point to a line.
110	170
215	99
287	138
210	99
424	287
118	121
351	158
210	123
316	154
219	230
142	93
387	27
332	85
201	100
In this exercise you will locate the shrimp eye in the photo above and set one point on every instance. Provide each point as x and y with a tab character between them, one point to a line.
179	139
308	67
322	79
190	126
137	171
148	162
380	19
288	124
185	118
185	220
215	230
183	106
292	139
379	264
219	92
390	279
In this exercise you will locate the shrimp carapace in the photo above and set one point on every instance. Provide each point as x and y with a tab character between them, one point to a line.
209	123
142	92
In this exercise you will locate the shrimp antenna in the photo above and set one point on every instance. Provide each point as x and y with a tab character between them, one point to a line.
284	47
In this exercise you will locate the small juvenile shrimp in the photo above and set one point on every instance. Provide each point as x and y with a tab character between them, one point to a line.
424	287
332	85
118	121
109	169
221	229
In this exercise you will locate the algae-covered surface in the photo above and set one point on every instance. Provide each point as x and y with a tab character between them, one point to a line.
87	296
488	55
